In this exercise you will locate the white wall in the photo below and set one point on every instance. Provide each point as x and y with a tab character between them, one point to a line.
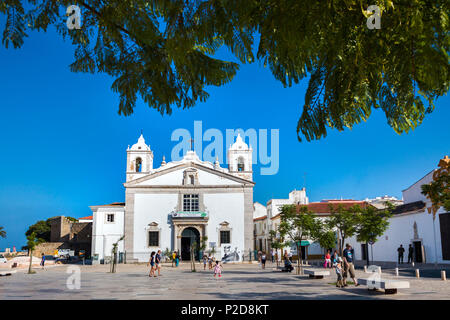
401	231
150	208
105	234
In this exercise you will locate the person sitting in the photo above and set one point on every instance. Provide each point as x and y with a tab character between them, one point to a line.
288	265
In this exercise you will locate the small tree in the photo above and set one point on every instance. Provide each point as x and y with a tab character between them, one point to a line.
196	248
276	242
346	221
114	255
168	254
297	224
2	232
373	223
32	242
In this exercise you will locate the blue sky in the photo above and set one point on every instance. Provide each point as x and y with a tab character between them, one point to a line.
63	145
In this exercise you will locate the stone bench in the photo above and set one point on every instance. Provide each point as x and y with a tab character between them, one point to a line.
7	272
317	274
389	286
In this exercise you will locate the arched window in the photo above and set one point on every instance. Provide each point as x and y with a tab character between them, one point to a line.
138	165
241	164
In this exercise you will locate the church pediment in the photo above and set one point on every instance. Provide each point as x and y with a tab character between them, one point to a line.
176	176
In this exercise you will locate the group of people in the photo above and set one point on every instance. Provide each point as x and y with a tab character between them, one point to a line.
401	251
208	260
155	263
343	265
176	258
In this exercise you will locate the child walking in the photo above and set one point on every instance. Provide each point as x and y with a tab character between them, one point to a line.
339	282
217	270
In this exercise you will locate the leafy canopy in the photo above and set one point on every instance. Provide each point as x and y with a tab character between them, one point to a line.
163	51
438	190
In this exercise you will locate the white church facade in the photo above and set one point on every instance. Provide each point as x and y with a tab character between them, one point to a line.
179	203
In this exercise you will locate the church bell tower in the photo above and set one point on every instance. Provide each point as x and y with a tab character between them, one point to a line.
139	160
239	157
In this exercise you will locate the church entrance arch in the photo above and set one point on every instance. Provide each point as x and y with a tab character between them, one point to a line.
188	237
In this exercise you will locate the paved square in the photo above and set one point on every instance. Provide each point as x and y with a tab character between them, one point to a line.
240	281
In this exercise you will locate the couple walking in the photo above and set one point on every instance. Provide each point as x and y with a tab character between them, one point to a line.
155	263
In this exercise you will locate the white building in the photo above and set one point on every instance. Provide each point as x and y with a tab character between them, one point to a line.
380	202
179	203
413	225
263	216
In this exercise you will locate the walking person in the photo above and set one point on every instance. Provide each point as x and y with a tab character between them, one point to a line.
349	268
338	268
263	260
210	262
218	270
410	253
158	262
177	259
400	251
273	255
151	263
205	260
43	261
327	263
174	255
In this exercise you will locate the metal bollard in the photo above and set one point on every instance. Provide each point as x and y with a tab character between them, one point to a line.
443	276
417	273
396	272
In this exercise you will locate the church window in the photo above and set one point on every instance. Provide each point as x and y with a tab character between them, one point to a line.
225	237
138	165
153	238
192	178
110	217
241	164
190	202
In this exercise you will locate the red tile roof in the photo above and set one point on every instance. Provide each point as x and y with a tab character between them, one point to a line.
260	218
323	208
86	218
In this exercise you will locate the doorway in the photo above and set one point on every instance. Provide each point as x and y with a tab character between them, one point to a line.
364	251
188	237
417	251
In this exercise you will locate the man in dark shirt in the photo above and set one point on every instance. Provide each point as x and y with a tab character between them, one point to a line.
349	268
410	253
401	251
158	262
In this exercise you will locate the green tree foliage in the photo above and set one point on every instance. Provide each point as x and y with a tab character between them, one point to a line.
2	232
438	190
163	51
41	229
297	224
345	221
373	223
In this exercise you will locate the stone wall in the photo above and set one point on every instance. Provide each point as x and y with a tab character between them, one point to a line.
48	248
